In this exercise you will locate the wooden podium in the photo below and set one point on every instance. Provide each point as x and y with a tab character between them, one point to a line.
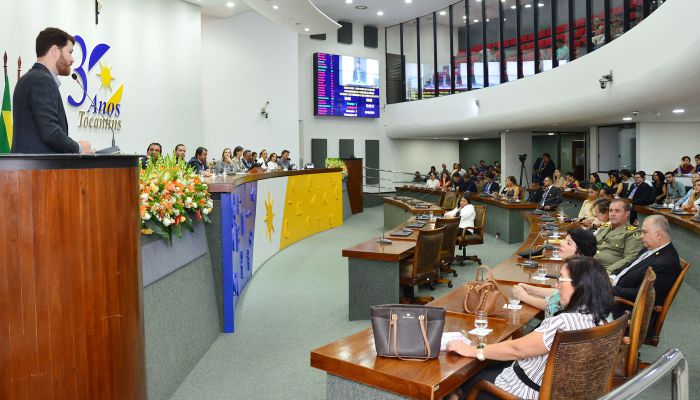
355	178
71	311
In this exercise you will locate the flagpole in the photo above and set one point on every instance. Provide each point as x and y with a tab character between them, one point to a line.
19	67
4	60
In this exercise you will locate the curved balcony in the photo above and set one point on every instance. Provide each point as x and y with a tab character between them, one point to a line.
654	68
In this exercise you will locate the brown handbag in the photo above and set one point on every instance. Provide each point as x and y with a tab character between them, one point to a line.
407	332
483	294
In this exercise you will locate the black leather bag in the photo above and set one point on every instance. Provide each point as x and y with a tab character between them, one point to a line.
407	331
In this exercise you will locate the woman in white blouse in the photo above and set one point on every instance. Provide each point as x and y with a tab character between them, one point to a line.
272	163
432	182
586	295
263	159
466	214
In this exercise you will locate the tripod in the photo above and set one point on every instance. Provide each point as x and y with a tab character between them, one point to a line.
523	171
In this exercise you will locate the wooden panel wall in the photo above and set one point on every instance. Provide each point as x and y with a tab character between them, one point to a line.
71	318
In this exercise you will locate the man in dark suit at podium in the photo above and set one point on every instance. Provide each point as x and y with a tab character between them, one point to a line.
40	120
659	254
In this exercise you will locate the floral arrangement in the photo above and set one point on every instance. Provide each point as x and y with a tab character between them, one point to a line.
337	163
173	196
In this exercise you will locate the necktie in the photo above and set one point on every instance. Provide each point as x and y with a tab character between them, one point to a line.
624	271
544	196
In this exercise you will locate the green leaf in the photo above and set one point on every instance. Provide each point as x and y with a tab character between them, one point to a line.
159	229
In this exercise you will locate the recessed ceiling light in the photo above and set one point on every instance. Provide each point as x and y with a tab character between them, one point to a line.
540	4
466	138
275	7
348	1
435	138
488	20
443	12
679	111
306	29
551	133
513	7
380	13
361	7
230	4
627	119
505	19
476	20
408	1
528	5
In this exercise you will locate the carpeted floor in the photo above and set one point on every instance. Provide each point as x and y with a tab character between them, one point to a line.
298	301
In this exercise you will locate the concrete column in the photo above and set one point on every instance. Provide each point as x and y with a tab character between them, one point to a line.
512	145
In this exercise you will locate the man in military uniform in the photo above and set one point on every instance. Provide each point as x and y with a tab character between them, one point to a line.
619	242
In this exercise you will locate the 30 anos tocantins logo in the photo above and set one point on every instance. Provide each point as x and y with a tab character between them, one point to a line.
104	107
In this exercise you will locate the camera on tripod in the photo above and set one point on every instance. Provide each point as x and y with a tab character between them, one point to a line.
522	157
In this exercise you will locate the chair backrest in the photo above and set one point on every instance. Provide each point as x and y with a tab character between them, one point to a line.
450	200
449	239
580	363
639	322
480	219
442	199
663	309
426	258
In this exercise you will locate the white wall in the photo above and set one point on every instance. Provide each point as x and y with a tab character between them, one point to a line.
248	60
512	145
661	146
155	52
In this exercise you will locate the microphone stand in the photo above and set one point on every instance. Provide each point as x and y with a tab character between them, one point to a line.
114	148
493	244
382	239
529	263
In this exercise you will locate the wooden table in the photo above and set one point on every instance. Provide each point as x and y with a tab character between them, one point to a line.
504	217
399	210
421	193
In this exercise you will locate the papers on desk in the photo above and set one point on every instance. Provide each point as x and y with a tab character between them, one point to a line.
480	332
449	336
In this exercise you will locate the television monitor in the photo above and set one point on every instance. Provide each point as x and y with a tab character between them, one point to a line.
346	86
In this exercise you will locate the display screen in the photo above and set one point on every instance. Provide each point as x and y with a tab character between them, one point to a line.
346	86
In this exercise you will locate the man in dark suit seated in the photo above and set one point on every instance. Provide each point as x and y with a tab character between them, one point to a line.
247	160
660	254
154	151
639	194
199	161
490	186
536	192
40	124
551	197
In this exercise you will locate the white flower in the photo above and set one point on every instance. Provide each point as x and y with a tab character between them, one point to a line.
147	216
206	211
144	196
167	221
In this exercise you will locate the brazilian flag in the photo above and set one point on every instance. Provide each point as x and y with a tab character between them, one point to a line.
6	120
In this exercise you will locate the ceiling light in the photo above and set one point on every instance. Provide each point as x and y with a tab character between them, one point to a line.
466	138
435	138
551	133
540	4
306	29
528	5
627	119
505	19
679	111
275	7
380	13
361	7
476	20
443	12
230	4
348	1
513	7
408	1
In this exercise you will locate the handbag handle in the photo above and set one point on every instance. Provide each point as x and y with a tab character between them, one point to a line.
424	333
480	275
482	300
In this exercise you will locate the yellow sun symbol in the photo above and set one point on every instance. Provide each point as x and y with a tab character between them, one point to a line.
106	77
269	217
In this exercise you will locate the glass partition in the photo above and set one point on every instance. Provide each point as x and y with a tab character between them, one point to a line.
427	56
476	43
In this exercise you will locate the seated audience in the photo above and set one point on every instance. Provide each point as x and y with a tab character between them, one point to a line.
461	170
658	188
618	241
693	202
586	298
225	166
570	182
543	167
272	162
483	167
263	159
558	180
445	181
238	159
432	170
432	182
578	242
154	152
674	189
444	170
489	185
685	167
254	157
496	167
551	196
536	192
247	160
614	188
626	179
179	152
417	177
469	184
586	211
697	163
687	194
594	181
660	254
466	213
511	189
610	174
639	194
284	162
199	161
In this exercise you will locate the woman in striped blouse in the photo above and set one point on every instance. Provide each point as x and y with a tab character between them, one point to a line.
587	298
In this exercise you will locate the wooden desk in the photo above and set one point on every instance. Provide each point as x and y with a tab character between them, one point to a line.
400	210
421	193
504	217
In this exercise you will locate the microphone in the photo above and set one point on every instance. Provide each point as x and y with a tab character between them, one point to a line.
114	148
529	263
493	244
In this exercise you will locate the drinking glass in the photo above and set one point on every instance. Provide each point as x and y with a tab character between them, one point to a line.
431	216
513	300
555	253
480	320
542	272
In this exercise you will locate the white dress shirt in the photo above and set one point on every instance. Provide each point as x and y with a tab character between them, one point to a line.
467	215
643	257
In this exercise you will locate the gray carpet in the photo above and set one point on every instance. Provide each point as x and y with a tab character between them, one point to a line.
298	301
